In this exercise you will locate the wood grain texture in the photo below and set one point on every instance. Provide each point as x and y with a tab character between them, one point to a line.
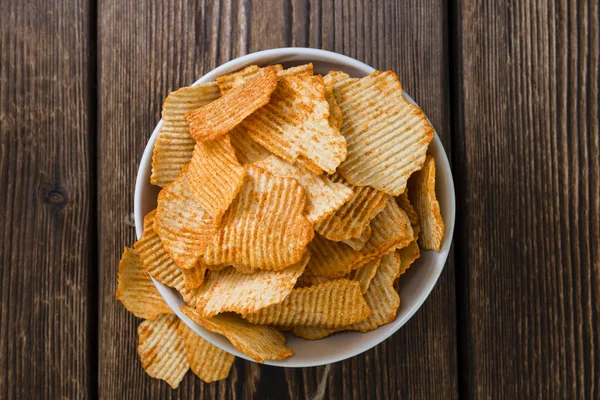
526	159
46	171
147	49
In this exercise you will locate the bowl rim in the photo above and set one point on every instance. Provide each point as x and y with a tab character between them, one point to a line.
441	163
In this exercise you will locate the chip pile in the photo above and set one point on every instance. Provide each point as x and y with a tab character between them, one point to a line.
290	202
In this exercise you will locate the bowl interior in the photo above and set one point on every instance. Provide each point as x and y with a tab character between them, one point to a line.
415	285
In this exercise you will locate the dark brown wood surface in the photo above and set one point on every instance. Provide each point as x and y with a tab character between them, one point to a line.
526	161
511	88
47	205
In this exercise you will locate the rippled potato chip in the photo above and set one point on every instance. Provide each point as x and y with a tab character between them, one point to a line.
182	224
407	207
351	219
194	277
207	361
257	341
246	149
391	230
162	350
422	195
323	197
231	290
295	126
215	176
365	274
174	144
408	255
360	242
310	280
313	332
265	227
136	290
229	81
381	297
331	304
335	113
155	258
387	136
222	115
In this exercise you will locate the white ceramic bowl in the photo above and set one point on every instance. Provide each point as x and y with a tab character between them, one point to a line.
415	285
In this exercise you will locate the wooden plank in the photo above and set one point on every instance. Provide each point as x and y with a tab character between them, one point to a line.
526	157
149	48
47	264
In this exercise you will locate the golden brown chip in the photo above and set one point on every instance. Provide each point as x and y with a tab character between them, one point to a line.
365	274
155	258
215	176
390	228
381	297
174	144
229	81
359	242
264	227
207	361
352	217
246	149
194	277
387	136
323	197
408	255
405	205
294	125
422	195
331	304
257	341
136	290
182	224
312	332
222	115
231	290
335	113
310	280
162	350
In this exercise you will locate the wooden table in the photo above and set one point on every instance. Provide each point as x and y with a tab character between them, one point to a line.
511	87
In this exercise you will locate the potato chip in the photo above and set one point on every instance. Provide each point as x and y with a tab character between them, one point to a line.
257	341
381	297
194	277
310	280
162	350
391	229
408	255
365	274
294	125
331	304
359	242
222	115
182	224
155	258
229	81
405	205
422	195
246	149
174	144
207	361
352	217
264	227
231	290
323	196
387	136
313	332
335	113
215	176
136	290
